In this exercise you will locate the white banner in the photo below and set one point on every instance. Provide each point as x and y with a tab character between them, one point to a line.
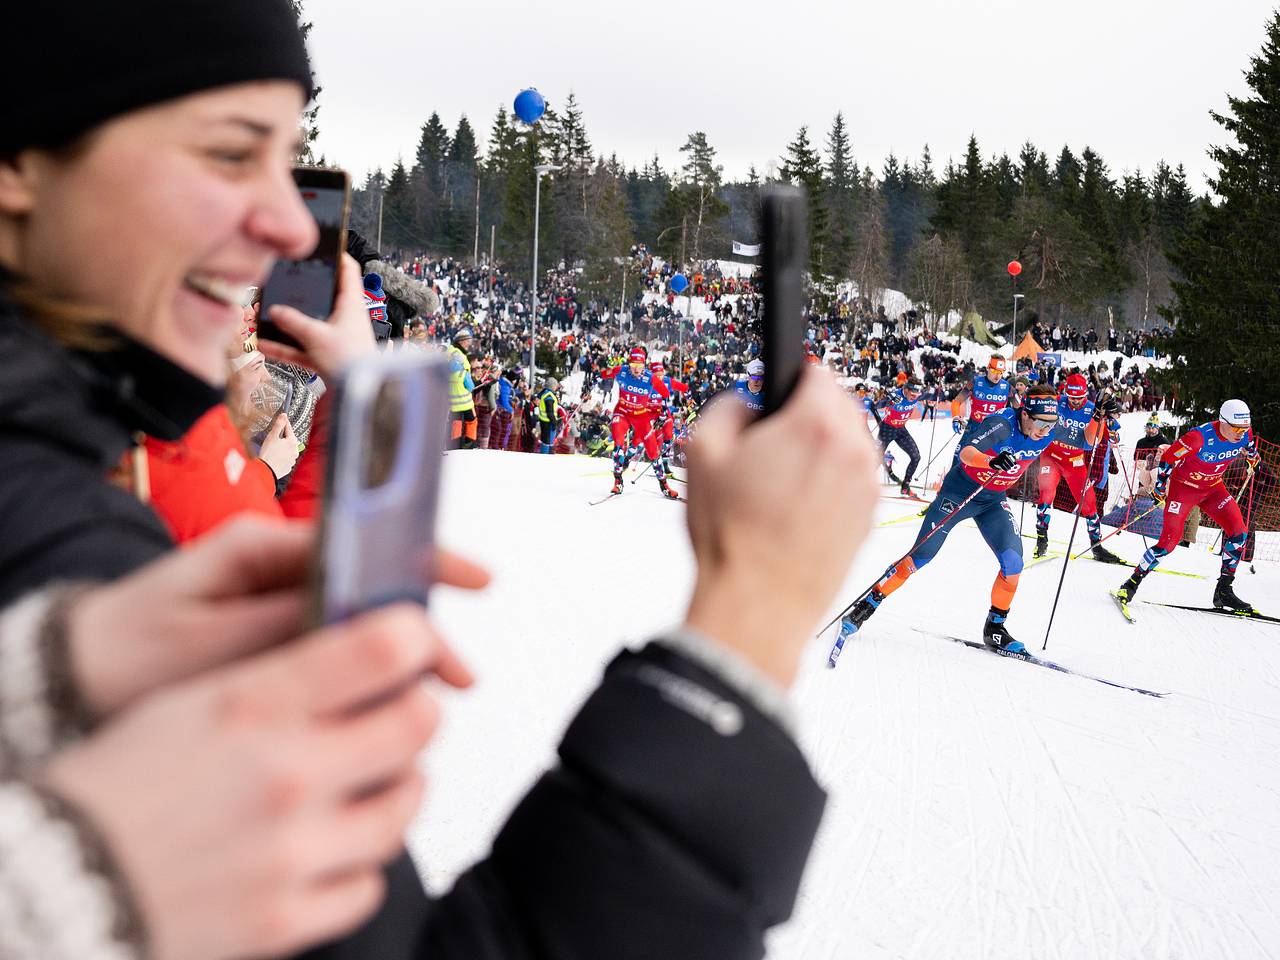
746	249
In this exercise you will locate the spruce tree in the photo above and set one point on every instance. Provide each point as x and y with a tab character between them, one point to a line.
459	175
802	166
838	189
1033	171
966	206
428	185
1227	302
398	226
310	128
515	239
609	236
690	214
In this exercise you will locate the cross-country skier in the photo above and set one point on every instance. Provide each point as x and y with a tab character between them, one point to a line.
991	462
1190	474
987	394
751	390
633	414
665	414
895	411
1080	424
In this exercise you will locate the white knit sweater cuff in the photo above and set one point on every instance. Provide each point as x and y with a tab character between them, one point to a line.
28	726
766	694
54	905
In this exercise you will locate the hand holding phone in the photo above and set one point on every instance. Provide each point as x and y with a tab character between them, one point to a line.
310	285
279	449
386	449
784	231
328	348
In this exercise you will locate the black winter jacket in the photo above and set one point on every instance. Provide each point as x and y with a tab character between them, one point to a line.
676	824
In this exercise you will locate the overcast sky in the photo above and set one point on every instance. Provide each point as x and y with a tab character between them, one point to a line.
1134	79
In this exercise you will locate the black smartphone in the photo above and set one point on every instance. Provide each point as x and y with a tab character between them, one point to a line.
784	238
310	284
389	426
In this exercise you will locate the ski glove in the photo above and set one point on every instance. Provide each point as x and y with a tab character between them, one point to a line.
1004	460
957	426
1161	488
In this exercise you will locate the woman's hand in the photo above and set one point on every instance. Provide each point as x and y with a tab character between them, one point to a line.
251	809
280	447
777	511
239	590
328	346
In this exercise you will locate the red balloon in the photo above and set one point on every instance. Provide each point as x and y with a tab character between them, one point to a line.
1015	268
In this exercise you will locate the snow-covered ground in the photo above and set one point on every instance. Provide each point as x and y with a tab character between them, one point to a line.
980	807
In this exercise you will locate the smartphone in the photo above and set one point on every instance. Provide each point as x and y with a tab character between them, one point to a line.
283	407
784	237
310	284
389	426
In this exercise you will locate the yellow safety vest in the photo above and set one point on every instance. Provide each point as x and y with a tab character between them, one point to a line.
548	412
460	400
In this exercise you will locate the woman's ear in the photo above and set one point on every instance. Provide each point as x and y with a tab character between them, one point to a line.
17	183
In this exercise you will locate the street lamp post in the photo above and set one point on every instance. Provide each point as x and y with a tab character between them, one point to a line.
538	172
1016	298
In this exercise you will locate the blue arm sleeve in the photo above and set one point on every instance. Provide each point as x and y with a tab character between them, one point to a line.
991	434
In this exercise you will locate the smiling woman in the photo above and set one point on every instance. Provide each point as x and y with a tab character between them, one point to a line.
139	197
141	194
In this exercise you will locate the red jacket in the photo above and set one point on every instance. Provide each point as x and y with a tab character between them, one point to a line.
206	478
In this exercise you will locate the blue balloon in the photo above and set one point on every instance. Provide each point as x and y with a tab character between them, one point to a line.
679	283
529	105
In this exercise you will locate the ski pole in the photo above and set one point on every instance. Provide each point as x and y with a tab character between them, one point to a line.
573	412
1239	493
1129	482
941	450
640	445
1121	529
933	425
914	547
1250	533
1072	538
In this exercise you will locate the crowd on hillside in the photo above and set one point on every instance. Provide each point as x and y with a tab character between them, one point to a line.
1057	337
708	349
708	352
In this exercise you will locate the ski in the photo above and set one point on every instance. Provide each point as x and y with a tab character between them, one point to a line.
1047	664
1123	604
837	648
1117	562
1051	555
1237	614
908	517
604	499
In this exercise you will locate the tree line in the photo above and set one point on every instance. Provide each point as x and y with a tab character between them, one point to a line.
1094	245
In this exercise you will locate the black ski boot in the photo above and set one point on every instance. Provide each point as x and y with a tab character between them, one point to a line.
860	614
1103	555
1224	598
1042	543
995	634
1129	587
617	481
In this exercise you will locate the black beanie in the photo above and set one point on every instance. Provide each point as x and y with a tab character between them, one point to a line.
67	67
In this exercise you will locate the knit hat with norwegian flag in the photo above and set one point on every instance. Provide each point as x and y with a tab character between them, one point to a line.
638	355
